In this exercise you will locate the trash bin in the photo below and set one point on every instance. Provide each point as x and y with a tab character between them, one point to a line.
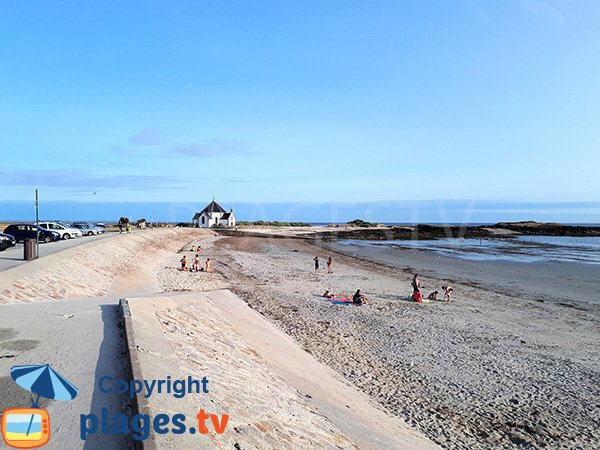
29	247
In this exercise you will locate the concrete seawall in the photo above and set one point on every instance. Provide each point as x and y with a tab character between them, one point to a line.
276	394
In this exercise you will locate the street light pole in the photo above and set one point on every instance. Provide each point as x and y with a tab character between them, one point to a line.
37	226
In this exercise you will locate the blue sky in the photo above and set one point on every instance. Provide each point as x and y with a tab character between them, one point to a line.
271	101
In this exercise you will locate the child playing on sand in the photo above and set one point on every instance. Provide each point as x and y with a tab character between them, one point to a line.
316	263
183	263
433	295
329	261
196	265
208	264
448	293
358	299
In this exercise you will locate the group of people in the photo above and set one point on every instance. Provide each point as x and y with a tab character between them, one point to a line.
196	265
417	296
329	263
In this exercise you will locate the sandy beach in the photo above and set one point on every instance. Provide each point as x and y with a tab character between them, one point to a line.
492	369
371	225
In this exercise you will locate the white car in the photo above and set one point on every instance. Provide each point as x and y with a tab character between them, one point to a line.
64	231
76	231
88	229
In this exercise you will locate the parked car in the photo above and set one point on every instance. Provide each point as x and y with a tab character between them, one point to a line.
7	241
76	231
88	229
64	231
22	231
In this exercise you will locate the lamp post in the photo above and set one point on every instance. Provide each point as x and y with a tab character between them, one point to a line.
37	226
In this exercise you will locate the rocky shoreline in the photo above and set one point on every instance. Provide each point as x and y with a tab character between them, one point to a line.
416	232
548	229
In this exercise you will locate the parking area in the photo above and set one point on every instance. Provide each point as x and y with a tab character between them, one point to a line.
13	256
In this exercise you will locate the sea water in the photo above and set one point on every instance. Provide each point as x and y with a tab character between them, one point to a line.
520	248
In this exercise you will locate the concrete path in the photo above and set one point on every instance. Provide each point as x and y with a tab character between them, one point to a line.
82	340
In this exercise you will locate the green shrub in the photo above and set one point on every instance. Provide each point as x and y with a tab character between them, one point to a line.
361	223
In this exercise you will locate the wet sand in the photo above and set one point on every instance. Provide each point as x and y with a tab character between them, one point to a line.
568	283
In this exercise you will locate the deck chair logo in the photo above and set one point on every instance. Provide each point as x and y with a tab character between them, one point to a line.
30	427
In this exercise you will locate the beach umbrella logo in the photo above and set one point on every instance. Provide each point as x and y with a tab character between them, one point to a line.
30	427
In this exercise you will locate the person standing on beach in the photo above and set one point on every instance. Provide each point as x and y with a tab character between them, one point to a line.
316	263
196	265
329	261
416	284
208	263
183	263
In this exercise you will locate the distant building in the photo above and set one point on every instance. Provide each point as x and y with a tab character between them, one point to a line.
213	215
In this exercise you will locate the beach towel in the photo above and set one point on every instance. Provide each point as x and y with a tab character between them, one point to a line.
340	302
340	299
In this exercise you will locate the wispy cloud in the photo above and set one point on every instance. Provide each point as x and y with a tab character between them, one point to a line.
81	179
206	148
149	136
213	147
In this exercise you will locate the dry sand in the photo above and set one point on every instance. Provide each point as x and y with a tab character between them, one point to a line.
487	370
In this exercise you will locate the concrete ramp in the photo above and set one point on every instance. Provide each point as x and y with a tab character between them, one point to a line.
275	394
